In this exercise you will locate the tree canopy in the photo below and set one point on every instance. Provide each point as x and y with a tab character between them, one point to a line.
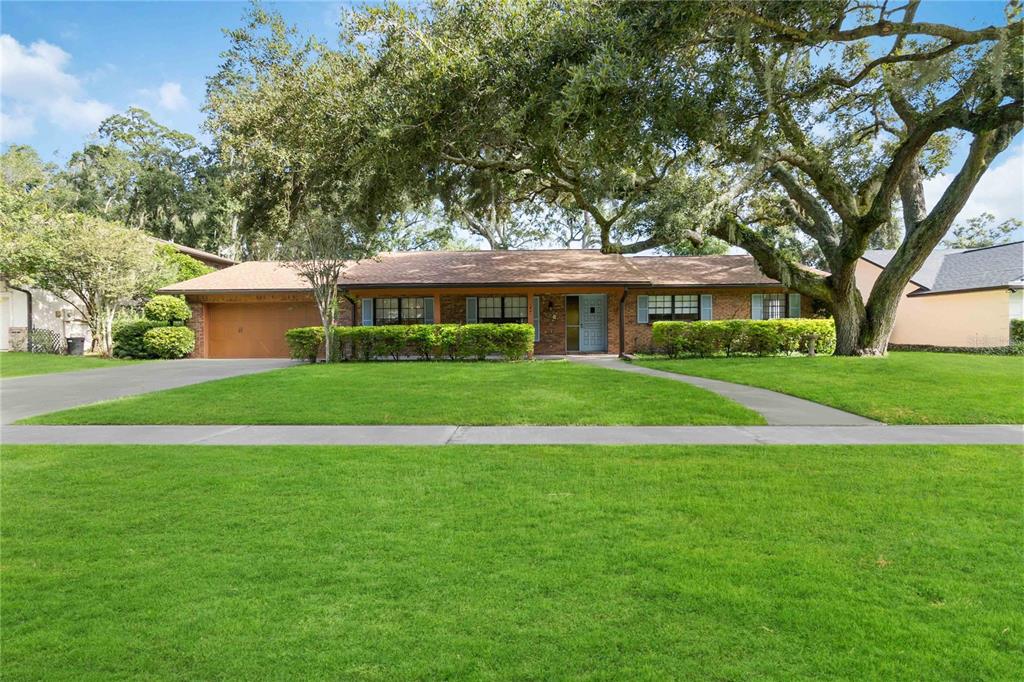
790	129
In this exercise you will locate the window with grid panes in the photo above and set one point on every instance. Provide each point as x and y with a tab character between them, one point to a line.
501	309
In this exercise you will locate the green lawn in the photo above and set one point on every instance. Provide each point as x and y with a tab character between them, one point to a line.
524	563
901	388
24	364
422	393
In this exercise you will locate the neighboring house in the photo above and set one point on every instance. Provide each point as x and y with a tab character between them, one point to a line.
25	308
577	300
959	297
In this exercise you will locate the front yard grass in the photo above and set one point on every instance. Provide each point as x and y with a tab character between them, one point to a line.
512	563
901	388
24	364
422	393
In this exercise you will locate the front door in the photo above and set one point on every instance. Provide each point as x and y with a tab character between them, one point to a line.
593	323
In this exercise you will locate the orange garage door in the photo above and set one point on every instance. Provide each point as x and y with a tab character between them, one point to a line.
254	330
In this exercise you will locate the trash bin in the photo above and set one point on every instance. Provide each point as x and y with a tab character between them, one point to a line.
76	345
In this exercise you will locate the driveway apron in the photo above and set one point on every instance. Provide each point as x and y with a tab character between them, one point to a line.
28	396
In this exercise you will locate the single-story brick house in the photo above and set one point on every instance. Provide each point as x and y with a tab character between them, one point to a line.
579	301
963	298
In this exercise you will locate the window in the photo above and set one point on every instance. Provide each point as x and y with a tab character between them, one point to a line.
684	307
385	311
398	311
502	309
774	306
412	311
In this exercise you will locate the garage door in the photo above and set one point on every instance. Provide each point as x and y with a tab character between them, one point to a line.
254	330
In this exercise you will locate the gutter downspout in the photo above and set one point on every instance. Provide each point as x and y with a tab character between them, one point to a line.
622	322
28	318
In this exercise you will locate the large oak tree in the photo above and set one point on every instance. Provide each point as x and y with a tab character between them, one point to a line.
785	128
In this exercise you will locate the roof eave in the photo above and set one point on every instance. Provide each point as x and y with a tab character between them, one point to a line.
203	292
940	292
493	285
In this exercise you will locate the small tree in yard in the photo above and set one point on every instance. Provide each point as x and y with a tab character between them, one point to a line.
94	265
319	252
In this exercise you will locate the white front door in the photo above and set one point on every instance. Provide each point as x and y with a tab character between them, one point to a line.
593	323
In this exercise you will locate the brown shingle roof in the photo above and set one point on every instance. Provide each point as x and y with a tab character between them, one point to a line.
493	268
250	276
457	268
683	271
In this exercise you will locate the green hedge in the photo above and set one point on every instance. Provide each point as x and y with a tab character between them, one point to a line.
425	341
128	338
169	343
745	337
168	310
304	343
1016	332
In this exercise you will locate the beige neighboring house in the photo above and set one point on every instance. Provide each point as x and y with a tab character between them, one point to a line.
26	308
959	298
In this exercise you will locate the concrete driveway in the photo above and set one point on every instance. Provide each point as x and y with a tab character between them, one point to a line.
28	396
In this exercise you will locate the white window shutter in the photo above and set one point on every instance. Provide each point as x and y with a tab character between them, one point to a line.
367	312
428	311
641	310
536	319
471	310
794	305
705	307
756	307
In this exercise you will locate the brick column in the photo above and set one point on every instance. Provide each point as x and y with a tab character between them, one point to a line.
198	325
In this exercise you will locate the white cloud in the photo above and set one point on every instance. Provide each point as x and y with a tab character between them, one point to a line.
171	97
999	192
34	83
14	127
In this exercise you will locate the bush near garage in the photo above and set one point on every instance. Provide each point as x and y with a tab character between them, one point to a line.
169	343
128	338
745	337
170	310
426	341
304	343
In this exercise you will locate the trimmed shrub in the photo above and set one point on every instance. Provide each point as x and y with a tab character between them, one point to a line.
129	341
169	310
750	337
426	341
304	343
1016	332
169	343
448	337
512	341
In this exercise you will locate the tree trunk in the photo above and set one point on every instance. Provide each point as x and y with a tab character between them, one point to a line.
847	311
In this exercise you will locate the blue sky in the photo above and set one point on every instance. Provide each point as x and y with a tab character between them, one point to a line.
67	65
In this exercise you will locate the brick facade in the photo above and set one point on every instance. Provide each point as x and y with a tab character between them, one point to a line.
726	304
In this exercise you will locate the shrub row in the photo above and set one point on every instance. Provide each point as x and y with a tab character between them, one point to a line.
158	334
745	337
426	341
1015	348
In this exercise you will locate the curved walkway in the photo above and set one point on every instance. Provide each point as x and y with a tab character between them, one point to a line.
778	409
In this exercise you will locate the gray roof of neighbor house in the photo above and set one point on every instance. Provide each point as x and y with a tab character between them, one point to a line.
564	267
950	270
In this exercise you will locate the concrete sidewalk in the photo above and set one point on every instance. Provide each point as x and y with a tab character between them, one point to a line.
778	409
515	435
